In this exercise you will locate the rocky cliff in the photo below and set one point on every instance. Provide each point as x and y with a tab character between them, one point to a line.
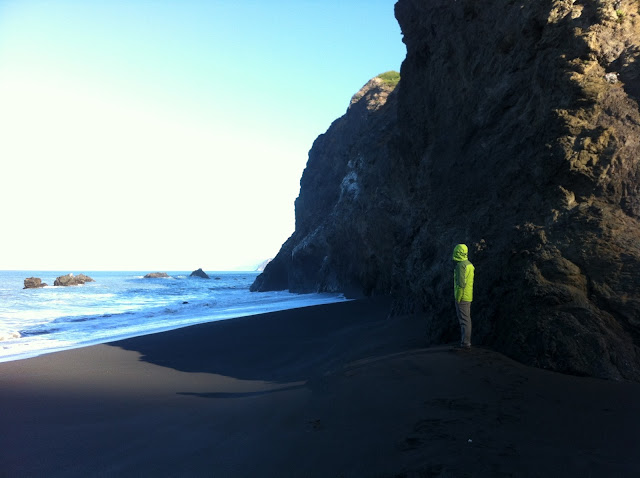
341	203
516	130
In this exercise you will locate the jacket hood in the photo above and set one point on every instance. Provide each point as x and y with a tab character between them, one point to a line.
460	253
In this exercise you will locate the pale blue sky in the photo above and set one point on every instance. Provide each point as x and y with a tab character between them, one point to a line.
170	135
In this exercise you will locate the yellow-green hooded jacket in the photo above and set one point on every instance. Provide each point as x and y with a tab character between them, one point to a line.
462	274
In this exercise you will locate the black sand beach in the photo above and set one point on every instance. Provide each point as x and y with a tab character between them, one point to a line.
326	391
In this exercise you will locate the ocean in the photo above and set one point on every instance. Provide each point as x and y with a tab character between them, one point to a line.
119	305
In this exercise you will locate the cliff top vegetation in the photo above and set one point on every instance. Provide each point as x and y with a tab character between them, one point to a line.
390	77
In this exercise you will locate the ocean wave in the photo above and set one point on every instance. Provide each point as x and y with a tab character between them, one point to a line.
145	278
143	318
122	305
34	331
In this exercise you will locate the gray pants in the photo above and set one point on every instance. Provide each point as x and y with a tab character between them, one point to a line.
463	311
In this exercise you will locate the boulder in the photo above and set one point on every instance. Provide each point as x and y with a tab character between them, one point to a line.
200	273
70	279
33	283
156	275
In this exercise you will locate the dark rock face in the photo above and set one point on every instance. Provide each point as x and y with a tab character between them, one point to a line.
70	279
33	283
200	273
507	133
344	199
156	275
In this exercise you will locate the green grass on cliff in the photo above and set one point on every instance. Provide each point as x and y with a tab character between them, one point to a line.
390	77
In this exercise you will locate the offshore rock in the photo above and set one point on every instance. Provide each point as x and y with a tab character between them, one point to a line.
70	279
156	275
200	273
507	133
33	283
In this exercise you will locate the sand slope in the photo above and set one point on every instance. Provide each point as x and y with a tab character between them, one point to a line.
328	391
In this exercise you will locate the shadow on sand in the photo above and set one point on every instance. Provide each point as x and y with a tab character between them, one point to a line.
285	346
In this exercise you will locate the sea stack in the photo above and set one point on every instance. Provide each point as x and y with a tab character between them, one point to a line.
70	280
33	283
156	275
200	273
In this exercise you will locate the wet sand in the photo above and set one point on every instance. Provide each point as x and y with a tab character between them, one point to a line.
333	391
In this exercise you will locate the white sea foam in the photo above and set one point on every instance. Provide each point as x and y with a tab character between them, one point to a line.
8	335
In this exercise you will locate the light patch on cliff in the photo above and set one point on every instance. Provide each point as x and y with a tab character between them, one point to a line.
349	188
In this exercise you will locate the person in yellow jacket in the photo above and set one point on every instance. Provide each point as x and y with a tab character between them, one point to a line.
463	273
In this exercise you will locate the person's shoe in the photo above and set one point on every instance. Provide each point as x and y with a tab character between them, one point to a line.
461	347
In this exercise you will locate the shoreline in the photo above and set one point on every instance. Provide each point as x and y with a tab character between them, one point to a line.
118	307
323	391
159	330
